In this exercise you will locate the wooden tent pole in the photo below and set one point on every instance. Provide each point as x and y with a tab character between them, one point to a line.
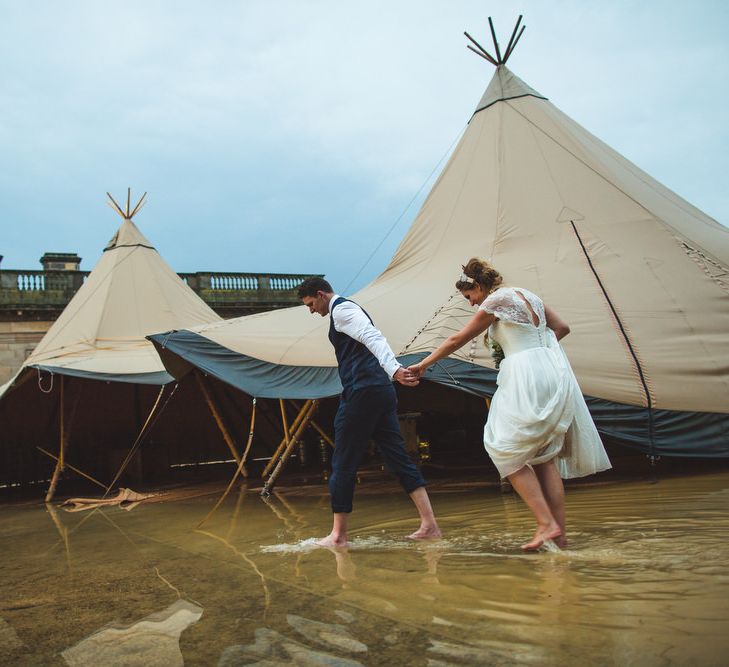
250	441
217	417
142	433
76	470
59	462
496	43
285	440
510	45
516	41
284	421
65	432
139	205
284	457
322	433
484	52
116	206
319	429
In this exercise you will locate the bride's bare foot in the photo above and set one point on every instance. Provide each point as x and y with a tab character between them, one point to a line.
561	541
429	532
552	532
332	541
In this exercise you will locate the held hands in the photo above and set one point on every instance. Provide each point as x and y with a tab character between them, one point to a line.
406	377
418	370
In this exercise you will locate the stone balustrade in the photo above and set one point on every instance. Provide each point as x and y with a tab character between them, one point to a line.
29	294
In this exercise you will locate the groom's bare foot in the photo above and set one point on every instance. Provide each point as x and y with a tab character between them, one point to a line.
543	534
430	532
332	541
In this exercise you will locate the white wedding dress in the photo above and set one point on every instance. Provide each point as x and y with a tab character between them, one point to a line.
537	412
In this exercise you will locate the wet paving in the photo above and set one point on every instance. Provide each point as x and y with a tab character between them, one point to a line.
645	581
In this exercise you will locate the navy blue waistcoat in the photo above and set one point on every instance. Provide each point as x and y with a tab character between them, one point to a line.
358	367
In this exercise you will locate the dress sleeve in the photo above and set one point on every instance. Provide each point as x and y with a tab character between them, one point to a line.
496	303
505	305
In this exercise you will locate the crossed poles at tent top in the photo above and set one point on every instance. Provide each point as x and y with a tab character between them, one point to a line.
499	60
127	215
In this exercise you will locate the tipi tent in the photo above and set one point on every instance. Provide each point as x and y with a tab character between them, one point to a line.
130	293
641	275
97	351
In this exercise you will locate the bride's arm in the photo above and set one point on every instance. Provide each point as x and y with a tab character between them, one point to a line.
556	323
476	325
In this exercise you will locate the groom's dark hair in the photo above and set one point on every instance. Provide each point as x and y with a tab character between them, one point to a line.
313	285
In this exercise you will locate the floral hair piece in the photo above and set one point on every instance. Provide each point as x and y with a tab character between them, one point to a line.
466	279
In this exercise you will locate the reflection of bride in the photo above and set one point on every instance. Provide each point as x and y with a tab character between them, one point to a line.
538	429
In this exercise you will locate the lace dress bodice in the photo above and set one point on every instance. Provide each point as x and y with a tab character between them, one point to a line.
537	412
514	328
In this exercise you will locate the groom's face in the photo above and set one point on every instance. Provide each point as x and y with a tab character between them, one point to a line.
317	304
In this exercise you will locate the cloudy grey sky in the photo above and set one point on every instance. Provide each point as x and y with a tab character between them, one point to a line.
289	136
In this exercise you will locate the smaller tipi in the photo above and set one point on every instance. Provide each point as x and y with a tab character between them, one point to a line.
94	364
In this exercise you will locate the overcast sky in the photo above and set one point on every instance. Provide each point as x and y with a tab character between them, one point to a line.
290	136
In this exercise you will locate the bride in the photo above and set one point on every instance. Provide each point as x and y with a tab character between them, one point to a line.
538	429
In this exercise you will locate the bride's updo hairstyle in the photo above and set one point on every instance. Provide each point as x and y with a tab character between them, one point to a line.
480	272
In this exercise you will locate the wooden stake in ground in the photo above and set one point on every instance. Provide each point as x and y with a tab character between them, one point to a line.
76	470
287	452
216	415
319	430
61	446
285	440
65	429
133	449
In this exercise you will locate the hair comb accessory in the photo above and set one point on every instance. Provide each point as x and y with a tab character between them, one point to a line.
466	279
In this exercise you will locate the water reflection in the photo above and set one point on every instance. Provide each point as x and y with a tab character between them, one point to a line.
645	581
154	640
271	649
8	637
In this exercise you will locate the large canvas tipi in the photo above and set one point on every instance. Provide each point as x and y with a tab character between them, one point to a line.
94	367
641	275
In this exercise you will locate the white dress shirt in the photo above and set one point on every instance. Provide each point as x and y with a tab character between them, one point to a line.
350	319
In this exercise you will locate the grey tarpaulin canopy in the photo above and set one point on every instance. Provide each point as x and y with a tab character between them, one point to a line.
641	275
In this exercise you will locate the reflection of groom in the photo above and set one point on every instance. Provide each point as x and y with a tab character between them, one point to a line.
367	408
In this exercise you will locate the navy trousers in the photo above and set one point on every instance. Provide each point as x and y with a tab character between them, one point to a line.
363	415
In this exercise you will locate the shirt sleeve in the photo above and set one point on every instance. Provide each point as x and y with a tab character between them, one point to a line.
349	319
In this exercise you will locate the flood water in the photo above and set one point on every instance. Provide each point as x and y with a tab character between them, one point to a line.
644	582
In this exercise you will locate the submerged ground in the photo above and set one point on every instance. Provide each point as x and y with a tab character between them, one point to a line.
645	581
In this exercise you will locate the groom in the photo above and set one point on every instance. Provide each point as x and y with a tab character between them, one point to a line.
367	408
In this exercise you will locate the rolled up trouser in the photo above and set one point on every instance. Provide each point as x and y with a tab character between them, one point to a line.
364	414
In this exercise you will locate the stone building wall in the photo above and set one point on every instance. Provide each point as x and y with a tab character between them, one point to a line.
17	341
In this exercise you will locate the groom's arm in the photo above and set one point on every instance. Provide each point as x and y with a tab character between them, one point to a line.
350	319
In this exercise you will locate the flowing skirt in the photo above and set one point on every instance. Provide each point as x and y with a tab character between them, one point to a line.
538	413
